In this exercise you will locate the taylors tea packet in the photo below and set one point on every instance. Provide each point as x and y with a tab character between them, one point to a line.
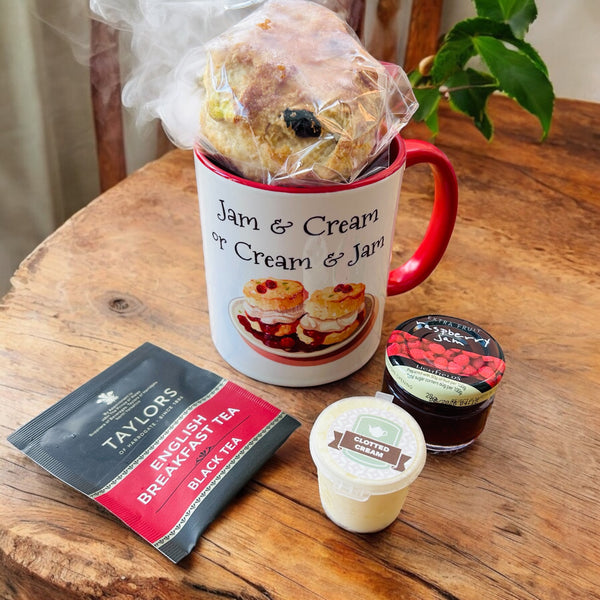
161	443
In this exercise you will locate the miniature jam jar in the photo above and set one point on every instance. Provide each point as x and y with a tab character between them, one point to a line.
444	372
367	451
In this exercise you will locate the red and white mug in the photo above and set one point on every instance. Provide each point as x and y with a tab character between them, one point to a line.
297	277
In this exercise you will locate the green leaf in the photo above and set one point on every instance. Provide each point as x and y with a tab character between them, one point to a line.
455	51
429	100
458	46
519	14
451	57
530	51
520	77
469	92
415	78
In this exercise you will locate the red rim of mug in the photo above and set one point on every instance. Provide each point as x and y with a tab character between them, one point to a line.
398	150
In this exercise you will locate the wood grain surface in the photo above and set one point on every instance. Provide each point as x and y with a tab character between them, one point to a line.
517	516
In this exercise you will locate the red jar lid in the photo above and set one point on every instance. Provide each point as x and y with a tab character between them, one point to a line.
444	360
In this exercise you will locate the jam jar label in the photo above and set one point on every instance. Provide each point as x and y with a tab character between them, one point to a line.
369	443
443	360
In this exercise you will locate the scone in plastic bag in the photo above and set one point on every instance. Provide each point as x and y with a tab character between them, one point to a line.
291	97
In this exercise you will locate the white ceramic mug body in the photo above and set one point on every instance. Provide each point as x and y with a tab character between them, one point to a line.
320	237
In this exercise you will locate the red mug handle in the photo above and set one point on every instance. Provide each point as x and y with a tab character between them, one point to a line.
441	224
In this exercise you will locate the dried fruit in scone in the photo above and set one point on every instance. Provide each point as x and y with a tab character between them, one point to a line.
274	305
332	314
291	95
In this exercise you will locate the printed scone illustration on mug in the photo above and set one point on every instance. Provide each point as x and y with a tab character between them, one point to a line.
281	314
272	310
333	314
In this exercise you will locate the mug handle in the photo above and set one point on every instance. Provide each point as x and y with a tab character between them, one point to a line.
441	223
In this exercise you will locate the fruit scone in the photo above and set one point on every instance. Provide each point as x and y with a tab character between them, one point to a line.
274	306
332	314
290	94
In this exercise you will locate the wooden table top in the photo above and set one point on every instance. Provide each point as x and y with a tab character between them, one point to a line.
515	516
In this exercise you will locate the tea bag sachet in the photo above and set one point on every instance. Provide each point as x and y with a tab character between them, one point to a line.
161	443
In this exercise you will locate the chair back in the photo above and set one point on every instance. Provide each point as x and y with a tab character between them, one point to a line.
105	83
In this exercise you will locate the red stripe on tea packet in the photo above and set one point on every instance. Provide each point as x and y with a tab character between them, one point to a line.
171	480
